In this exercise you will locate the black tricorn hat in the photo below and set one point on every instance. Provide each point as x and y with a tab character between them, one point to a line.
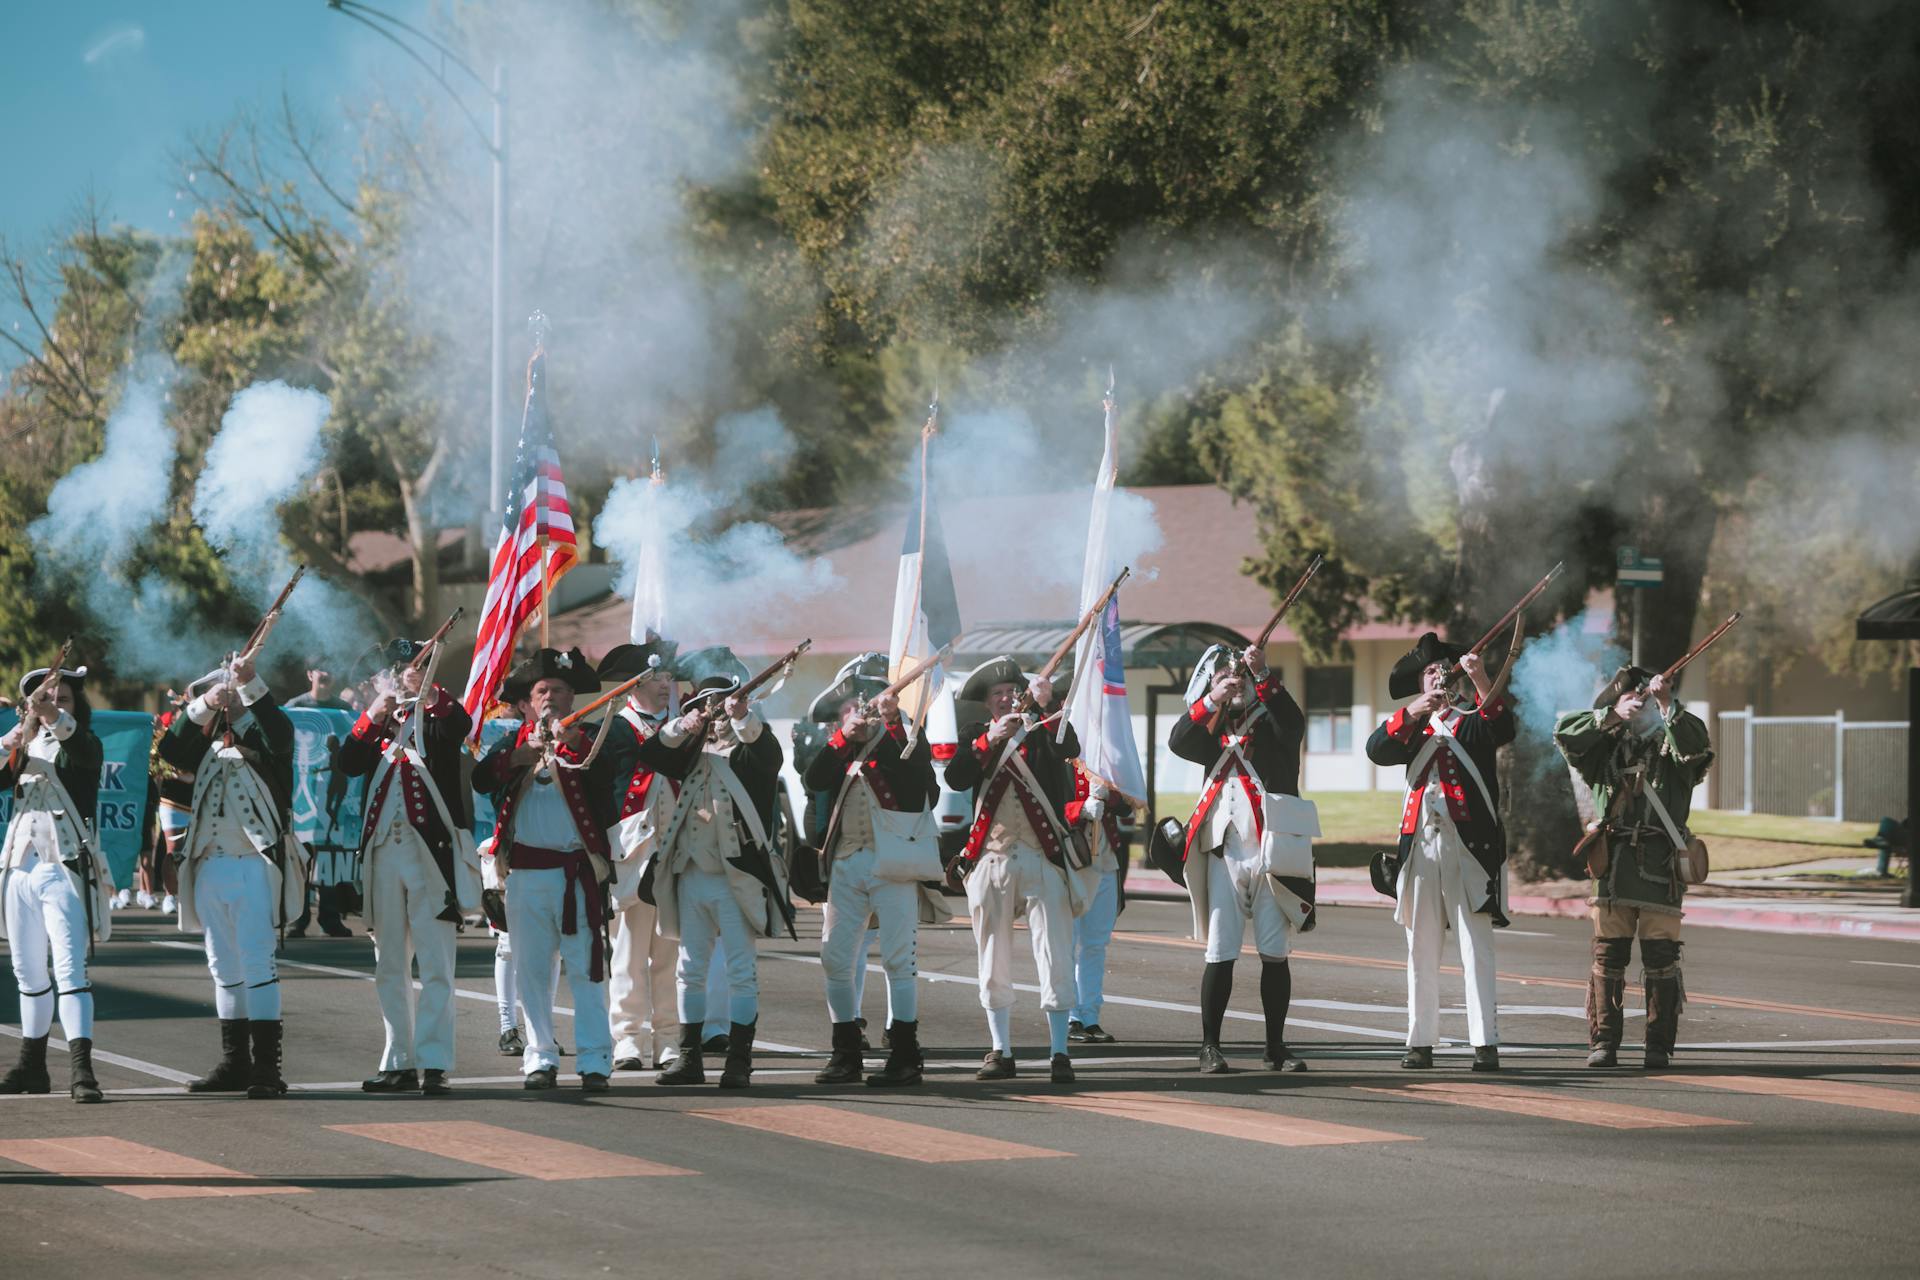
1000	670
862	677
550	664
712	671
398	650
1404	680
624	661
1377	872
1627	677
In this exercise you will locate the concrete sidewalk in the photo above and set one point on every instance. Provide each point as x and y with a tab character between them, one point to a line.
1855	913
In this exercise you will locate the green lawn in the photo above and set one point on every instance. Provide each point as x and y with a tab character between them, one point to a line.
1354	823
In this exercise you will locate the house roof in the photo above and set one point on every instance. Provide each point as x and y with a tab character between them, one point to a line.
1194	575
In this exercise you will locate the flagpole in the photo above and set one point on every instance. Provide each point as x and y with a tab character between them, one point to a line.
920	567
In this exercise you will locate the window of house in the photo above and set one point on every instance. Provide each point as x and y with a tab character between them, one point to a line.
1329	709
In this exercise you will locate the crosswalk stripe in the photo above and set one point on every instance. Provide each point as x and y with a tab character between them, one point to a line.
1838	1092
162	1175
1550	1106
847	1127
511	1151
1229	1122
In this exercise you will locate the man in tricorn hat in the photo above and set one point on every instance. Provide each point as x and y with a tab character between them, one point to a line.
1450	866
1016	859
868	765
420	868
242	875
553	798
716	873
54	885
1643	754
646	1019
1253	834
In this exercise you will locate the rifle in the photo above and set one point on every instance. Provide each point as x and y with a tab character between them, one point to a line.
426	650
778	667
1266	634
1453	672
907	677
53	673
1698	649
257	640
1025	704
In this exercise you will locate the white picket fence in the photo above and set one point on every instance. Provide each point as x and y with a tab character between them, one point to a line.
1810	766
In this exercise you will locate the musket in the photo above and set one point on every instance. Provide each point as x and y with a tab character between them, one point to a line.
1699	649
568	722
1266	633
53	673
777	667
1024	704
1506	619
426	650
258	640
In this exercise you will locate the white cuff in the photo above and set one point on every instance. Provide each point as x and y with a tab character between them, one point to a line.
1206	700
747	728
63	726
200	711
252	691
673	732
1093	810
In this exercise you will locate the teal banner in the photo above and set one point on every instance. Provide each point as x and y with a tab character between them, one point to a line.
326	808
125	739
491	731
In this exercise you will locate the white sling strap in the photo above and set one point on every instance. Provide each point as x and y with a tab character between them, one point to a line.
1443	734
1652	794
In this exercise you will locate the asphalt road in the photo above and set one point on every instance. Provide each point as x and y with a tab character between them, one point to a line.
1783	1142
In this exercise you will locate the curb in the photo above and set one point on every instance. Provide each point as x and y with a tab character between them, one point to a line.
1705	912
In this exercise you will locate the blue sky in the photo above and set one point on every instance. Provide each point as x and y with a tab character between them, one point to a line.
101	94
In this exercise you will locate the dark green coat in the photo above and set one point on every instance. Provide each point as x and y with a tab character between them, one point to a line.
1640	871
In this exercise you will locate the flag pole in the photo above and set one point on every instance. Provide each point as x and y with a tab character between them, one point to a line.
920	564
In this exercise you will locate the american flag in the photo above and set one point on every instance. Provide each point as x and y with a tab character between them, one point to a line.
537	517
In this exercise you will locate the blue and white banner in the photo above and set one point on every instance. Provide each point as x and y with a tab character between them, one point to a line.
490	732
326	809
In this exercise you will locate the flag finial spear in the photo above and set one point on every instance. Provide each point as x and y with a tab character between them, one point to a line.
1110	382
933	412
658	475
538	326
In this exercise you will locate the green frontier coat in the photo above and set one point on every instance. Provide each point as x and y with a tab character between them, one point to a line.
1640	871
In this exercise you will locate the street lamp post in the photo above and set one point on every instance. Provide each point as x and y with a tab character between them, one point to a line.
398	32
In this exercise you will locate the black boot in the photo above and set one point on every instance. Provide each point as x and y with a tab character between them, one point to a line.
81	1084
231	1073
1216	988
689	1067
29	1074
1606	1000
738	1073
844	1067
1665	997
1276	995
264	1080
903	1057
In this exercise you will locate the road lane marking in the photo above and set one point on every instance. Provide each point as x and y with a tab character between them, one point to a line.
1228	1122
464	993
1522	1101
162	1175
1571	984
1838	1092
118	1060
1887	964
511	1151
846	1127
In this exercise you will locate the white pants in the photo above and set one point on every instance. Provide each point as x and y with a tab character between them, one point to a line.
408	895
235	905
640	986
45	916
1238	890
996	890
708	912
1091	934
853	896
535	900
1433	895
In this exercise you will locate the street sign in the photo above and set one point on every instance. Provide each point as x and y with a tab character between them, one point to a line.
1635	570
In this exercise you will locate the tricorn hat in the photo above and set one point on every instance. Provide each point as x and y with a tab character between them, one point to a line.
1216	657
624	661
571	667
1404	680
713	671
74	676
1000	670
862	677
1627	677
400	649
